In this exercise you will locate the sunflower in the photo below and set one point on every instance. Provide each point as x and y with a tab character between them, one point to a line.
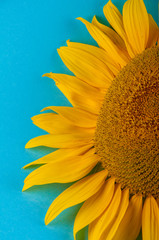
108	141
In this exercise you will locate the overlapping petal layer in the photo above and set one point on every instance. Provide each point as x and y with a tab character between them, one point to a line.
62	171
118	41
130	225
61	154
86	66
106	43
56	124
102	223
94	206
61	140
75	194
79	93
76	116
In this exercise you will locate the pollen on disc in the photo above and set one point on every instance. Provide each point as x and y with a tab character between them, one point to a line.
127	132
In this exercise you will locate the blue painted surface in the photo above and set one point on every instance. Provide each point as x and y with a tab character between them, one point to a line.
31	31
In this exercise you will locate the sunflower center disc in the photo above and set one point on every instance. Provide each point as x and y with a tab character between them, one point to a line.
127	133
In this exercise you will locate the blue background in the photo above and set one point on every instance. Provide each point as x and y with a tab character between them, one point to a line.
31	31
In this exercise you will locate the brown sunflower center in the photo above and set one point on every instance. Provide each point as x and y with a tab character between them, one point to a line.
127	133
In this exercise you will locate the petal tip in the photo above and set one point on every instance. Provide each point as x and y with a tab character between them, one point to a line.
94	19
68	41
81	19
24	188
46	220
74	236
28	145
47	75
32	143
44	75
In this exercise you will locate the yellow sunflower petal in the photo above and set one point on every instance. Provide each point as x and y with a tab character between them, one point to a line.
115	19
153	32
136	24
94	206
110	33
61	140
75	116
105	42
130	225
79	93
75	84
75	194
66	170
86	66
60	154
99	53
150	219
56	124
97	227
110	231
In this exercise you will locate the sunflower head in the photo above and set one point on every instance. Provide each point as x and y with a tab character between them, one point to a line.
113	123
127	133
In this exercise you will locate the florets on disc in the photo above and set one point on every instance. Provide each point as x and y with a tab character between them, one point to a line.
127	133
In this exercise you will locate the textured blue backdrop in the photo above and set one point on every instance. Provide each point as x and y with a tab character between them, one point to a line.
31	31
